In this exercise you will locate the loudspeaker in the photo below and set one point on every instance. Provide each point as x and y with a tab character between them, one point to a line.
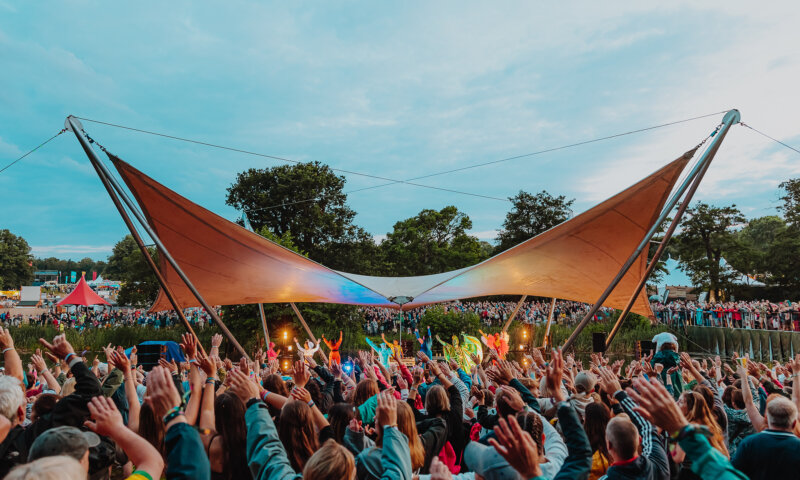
150	354
643	348
598	342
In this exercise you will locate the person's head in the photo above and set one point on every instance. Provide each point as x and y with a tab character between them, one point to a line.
504	402
408	427
64	441
69	387
781	414
436	401
696	410
275	384
229	423
12	400
312	387
532	423
296	432
331	462
365	389
59	467
622	439
151	428
596	417
737	399
726	396
339	417
44	404
585	382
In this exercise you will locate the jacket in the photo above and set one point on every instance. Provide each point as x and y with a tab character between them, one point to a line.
707	461
653	463
579	459
186	457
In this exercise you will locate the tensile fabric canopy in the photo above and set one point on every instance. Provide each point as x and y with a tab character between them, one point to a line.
82	294
575	260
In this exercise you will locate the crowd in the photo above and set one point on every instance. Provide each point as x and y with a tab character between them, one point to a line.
760	314
378	320
662	417
81	319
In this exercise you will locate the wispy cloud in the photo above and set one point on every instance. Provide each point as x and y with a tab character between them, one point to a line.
54	250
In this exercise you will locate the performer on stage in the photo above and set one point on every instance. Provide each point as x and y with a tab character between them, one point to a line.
447	349
384	352
271	352
501	340
394	345
488	339
473	346
333	356
307	352
425	342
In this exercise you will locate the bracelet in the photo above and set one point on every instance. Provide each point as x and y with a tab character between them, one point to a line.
264	395
193	360
66	358
211	380
311	403
7	349
172	415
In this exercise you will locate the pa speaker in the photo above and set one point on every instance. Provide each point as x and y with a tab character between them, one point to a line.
598	342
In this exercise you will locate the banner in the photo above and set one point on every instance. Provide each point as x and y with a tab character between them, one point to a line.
94	276
73	277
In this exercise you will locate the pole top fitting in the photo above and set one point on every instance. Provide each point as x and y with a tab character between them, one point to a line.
72	120
733	116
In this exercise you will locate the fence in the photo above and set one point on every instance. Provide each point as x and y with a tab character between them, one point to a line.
762	345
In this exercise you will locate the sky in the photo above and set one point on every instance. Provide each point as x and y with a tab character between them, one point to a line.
399	90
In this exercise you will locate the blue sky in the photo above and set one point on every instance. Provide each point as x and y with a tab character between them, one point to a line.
398	90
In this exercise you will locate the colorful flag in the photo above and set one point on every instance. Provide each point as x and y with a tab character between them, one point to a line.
94	276
73	277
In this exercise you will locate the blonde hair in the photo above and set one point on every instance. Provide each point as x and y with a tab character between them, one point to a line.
58	467
437	401
68	387
331	462
408	427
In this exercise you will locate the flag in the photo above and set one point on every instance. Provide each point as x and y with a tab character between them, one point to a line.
73	277
94	276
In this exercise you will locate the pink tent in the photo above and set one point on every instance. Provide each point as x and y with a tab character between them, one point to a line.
83	295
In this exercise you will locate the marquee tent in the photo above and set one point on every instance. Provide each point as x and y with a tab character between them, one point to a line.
575	260
82	294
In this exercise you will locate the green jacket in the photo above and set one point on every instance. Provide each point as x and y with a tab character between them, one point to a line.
186	457
707	461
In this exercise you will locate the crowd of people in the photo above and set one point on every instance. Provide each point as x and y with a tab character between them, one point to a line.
81	319
378	320
757	314
661	417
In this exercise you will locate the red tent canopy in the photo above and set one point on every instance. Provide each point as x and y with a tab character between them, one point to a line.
83	295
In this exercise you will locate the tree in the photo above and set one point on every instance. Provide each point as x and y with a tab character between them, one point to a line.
126	264
431	242
791	201
275	198
757	239
16	261
706	238
531	215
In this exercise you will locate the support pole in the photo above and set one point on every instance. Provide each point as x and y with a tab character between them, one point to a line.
730	118
303	322
661	247
550	314
100	167
264	324
138	239
514	313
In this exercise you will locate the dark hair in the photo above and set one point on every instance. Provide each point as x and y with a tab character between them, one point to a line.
532	423
296	432
339	417
316	395
151	428
596	419
229	423
737	399
44	405
727	395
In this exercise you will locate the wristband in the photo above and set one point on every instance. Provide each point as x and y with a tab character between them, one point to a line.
264	395
172	415
311	403
194	360
211	380
66	358
7	349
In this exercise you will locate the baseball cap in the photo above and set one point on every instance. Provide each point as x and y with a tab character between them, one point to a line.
486	462
587	380
62	441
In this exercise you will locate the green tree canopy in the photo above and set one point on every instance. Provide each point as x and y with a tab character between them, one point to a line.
791	201
16	267
431	242
706	237
531	215
127	264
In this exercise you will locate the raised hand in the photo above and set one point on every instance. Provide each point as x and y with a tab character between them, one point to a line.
513	398
60	346
242	386
301	394
38	362
161	392
401	383
609	381
171	366
120	360
189	345
207	365
107	419
300	374
6	340
517	447
440	471
386	412
553	373
216	340
657	405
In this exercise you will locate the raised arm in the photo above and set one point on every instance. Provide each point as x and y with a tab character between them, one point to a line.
12	362
41	367
749	404
124	365
207	420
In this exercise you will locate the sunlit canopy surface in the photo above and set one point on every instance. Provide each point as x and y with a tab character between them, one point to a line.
231	265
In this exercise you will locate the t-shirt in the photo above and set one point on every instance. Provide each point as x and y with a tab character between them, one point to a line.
769	455
140	475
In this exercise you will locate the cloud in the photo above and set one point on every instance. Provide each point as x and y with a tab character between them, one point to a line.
489	235
66	250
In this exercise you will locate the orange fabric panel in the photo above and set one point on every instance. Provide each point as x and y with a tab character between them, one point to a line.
574	261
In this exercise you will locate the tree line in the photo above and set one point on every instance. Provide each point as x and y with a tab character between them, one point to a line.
304	207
